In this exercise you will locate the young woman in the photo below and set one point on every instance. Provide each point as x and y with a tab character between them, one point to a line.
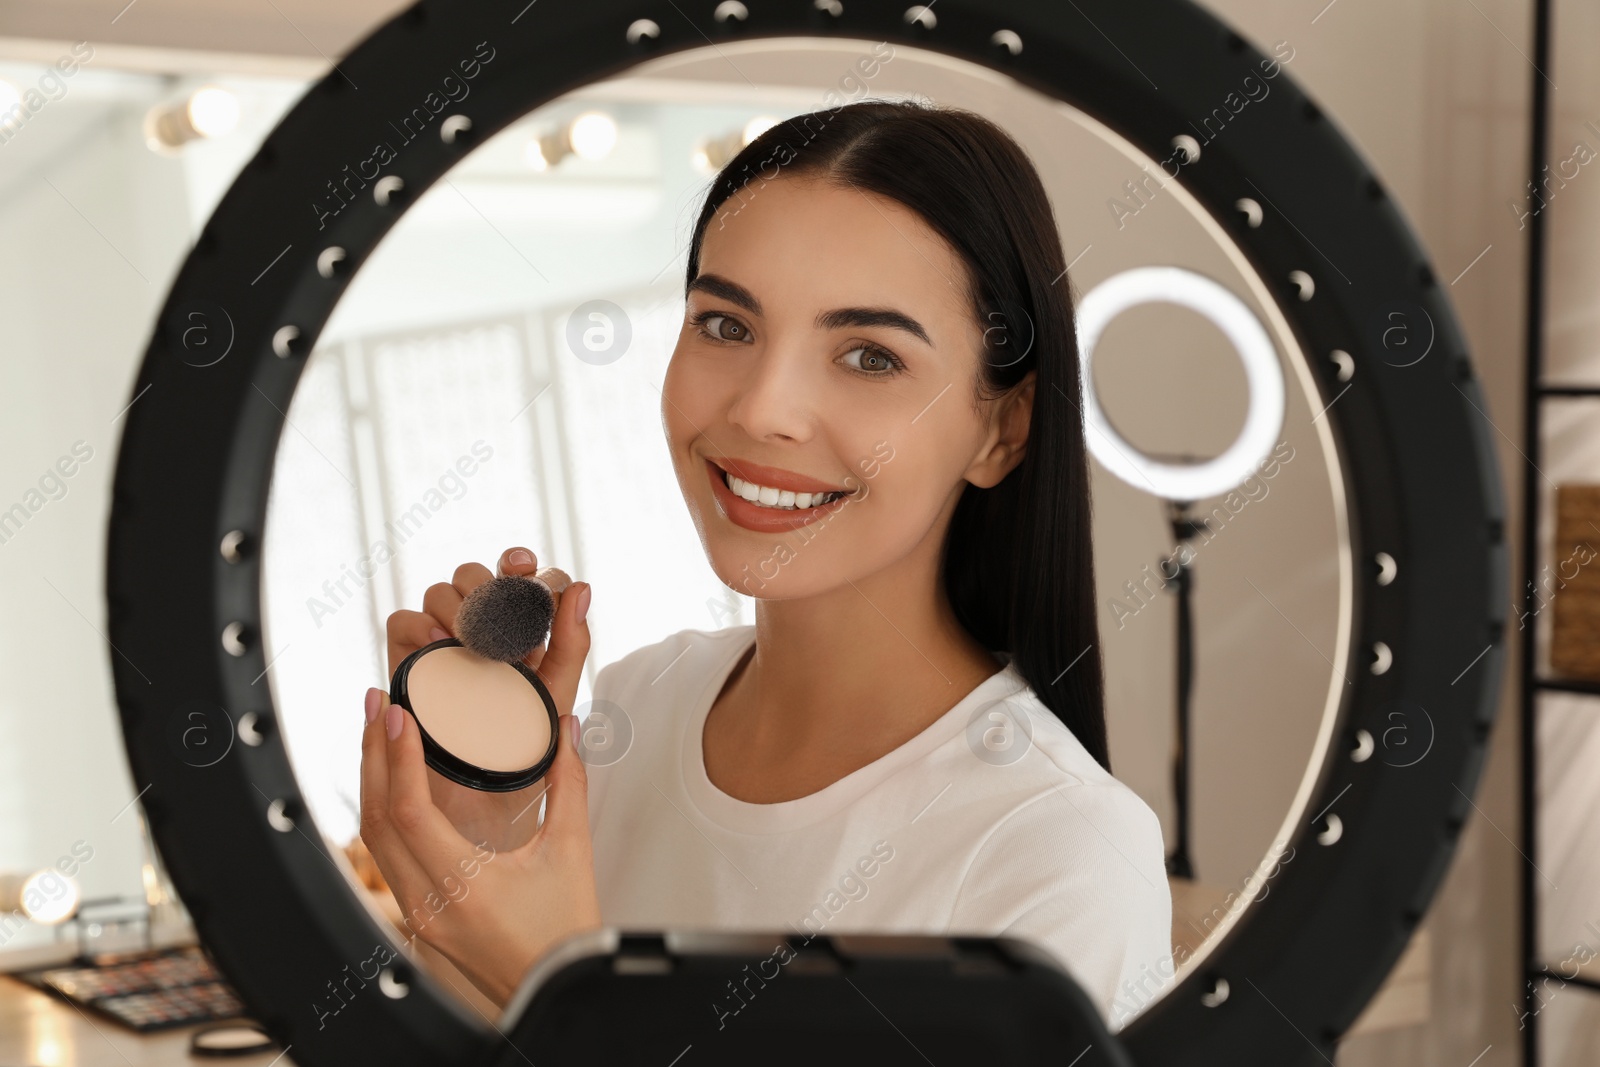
872	411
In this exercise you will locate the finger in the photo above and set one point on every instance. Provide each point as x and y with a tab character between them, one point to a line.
426	831
399	868
442	600
469	576
409	631
554	577
556	580
567	803
562	665
374	771
524	563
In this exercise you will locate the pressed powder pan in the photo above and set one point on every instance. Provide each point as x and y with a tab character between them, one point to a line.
485	724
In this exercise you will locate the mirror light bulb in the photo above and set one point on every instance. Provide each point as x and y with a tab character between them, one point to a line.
758	126
534	155
213	111
49	897
593	135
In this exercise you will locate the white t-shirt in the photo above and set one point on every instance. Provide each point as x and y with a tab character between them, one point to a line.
1035	841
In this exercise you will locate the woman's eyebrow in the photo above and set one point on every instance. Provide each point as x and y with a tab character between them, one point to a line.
732	292
842	318
837	319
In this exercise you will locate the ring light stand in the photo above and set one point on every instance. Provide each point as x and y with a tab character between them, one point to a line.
1281	189
1180	864
1181	484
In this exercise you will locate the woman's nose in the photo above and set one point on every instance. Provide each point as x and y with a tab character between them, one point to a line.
776	399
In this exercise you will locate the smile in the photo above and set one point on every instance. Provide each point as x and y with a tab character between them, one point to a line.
766	508
765	496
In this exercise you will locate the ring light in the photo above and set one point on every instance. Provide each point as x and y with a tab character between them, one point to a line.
1263	421
1415	467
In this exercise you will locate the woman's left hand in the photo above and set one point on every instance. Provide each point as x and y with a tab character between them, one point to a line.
492	914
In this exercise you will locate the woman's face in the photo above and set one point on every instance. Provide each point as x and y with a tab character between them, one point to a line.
828	348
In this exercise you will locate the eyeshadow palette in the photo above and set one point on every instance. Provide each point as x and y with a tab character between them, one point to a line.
146	990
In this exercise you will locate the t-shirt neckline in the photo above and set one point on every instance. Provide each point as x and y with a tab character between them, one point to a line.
742	816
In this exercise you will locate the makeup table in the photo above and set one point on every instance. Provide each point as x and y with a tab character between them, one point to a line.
39	1030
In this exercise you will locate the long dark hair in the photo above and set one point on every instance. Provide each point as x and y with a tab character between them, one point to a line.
1018	561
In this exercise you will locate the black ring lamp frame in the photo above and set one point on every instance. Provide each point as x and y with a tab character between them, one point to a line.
184	569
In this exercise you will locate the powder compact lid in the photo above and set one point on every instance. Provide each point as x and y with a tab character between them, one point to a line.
240	1037
485	724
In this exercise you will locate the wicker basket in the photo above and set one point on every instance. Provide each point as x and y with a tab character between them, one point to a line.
1575	578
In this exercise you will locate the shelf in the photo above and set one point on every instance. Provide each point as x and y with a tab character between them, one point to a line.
1568	685
1586	977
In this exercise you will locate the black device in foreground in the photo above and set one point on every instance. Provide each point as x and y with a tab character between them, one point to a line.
780	999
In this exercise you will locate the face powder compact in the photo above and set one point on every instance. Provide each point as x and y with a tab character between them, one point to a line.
486	720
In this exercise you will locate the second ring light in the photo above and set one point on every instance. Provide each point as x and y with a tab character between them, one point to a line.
197	451
1263	377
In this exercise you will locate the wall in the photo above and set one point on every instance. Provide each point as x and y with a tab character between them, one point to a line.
66	376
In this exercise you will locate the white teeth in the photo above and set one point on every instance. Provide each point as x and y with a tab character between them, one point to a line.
766	496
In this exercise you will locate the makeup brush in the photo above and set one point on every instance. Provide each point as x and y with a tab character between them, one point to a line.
505	618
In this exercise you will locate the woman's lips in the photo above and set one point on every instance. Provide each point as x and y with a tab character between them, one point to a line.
776	477
742	512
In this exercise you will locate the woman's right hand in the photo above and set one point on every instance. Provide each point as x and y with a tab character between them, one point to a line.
503	820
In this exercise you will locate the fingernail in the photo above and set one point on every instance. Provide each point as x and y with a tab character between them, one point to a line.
572	731
372	705
437	634
583	603
519	557
395	721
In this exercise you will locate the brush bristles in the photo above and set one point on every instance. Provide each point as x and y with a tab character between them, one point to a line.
506	617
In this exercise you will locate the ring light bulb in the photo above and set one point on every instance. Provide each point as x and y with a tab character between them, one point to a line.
1263	375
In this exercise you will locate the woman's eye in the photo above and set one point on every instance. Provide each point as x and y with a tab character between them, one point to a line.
871	360
715	325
